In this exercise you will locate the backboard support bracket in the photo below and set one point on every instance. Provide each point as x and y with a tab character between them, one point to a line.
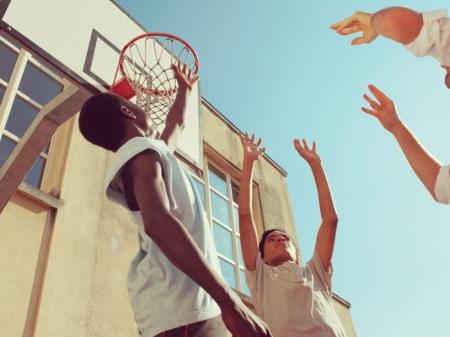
38	135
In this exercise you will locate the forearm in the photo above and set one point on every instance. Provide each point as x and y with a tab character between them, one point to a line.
177	114
400	24
175	120
248	237
245	190
176	243
425	166
327	208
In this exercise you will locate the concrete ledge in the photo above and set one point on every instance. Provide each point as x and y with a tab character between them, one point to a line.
341	300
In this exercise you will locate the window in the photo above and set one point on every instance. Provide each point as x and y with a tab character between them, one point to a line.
219	195
26	85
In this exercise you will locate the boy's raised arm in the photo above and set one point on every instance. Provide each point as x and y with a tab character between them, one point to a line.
327	231
249	239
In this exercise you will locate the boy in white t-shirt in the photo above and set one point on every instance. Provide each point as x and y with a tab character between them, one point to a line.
295	300
174	281
422	34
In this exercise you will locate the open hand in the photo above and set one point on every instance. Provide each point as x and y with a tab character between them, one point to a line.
358	22
184	76
383	109
252	150
310	155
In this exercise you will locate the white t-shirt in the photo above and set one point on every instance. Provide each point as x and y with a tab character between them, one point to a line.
442	187
163	297
434	37
294	300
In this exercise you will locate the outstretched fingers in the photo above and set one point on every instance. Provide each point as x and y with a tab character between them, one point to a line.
246	140
370	112
374	105
359	40
350	29
242	138
297	144
380	96
184	75
301	146
307	153
343	24
305	145
336	25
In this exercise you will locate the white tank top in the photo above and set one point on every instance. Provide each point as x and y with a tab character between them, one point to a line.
163	297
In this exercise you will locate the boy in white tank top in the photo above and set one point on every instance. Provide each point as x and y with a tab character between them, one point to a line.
174	281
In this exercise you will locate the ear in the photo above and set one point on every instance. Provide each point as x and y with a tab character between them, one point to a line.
127	113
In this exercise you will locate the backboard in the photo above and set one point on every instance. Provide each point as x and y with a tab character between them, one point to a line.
83	40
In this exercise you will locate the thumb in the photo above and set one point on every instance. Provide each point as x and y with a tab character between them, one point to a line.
358	41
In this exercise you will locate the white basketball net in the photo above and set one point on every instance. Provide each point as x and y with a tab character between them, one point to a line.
147	64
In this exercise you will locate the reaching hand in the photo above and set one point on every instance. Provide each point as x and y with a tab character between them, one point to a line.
184	76
358	22
242	322
384	109
310	155
252	150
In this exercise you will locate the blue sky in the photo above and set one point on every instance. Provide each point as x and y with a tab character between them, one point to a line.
275	68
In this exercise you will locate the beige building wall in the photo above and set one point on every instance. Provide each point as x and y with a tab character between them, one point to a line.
90	241
342	308
21	226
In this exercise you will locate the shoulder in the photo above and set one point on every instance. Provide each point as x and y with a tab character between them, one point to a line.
146	163
132	148
321	276
432	36
129	153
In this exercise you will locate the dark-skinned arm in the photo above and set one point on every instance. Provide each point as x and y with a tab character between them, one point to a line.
176	243
176	118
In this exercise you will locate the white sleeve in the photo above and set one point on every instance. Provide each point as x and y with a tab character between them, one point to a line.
442	187
113	182
325	277
253	277
434	37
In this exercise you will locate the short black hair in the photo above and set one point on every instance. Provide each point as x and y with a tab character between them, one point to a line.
264	238
100	120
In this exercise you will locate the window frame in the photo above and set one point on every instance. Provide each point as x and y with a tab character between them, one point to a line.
231	182
12	91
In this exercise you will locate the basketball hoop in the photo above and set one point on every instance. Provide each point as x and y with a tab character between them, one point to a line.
145	65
